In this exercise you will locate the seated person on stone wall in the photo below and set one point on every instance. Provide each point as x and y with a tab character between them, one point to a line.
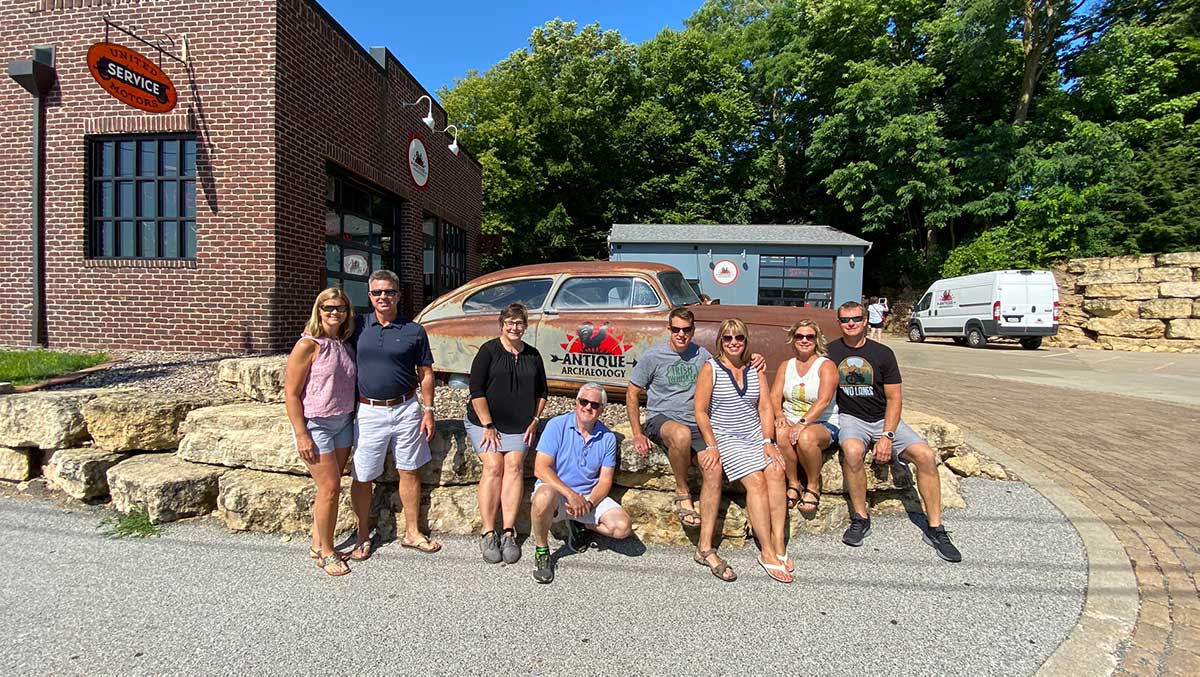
575	466
869	402
319	395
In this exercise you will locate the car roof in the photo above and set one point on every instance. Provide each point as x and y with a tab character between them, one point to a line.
576	268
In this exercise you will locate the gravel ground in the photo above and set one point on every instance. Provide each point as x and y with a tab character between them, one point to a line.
200	600
161	372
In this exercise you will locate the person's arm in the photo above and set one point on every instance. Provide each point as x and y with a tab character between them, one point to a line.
776	397
633	409
543	469
428	427
480	369
766	417
758	362
828	390
711	456
891	421
603	486
299	365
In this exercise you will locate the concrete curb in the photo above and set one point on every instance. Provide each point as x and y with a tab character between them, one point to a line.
1111	607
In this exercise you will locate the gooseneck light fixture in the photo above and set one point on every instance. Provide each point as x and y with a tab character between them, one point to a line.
453	144
428	119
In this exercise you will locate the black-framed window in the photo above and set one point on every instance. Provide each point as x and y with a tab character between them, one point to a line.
360	235
444	257
429	230
795	281
454	257
142	196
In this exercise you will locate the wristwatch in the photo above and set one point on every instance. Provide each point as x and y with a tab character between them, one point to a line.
803	421
889	434
427	407
489	426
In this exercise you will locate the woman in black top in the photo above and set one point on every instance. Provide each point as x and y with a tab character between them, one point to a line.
508	393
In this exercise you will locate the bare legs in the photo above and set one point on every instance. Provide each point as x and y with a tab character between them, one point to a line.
327	474
920	455
500	488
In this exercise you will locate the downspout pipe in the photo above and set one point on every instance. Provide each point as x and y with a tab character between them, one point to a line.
38	79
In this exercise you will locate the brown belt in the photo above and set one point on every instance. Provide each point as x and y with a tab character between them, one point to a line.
389	403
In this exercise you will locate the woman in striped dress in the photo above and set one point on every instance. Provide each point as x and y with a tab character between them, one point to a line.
739	426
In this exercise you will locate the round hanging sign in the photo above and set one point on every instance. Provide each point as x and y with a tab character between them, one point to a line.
132	78
725	272
418	162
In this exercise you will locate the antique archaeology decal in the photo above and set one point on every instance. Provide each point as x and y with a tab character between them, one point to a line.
131	77
946	299
418	162
595	353
725	272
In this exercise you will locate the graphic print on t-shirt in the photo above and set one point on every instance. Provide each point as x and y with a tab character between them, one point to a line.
797	396
856	377
682	374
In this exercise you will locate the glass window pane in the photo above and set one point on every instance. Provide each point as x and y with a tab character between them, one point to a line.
332	282
107	238
148	203
822	261
595	292
333	224
168	203
125	203
147	158
530	292
357	228
170	239
125	158
376	262
189	158
357	291
104	199
333	258
189	239
105	158
128	241
170	158
355	262
331	188
795	283
643	294
149	236
189	197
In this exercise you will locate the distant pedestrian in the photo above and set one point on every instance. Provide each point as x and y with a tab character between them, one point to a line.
876	314
319	396
508	394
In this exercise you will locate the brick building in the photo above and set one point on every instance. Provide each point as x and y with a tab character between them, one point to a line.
286	165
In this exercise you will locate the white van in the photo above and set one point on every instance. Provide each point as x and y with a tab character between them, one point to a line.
1003	303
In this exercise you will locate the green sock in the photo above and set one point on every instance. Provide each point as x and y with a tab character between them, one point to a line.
543	550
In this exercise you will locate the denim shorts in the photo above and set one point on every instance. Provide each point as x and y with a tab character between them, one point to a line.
508	441
330	432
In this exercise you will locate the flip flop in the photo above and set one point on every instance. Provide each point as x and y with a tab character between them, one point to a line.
777	572
367	548
787	563
325	562
424	545
718	569
686	514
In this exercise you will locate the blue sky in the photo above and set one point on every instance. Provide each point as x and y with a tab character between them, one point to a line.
439	41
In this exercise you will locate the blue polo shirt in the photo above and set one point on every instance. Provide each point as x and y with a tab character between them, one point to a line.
388	356
576	462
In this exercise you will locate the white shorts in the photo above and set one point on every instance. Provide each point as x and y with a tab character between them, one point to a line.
376	429
593	517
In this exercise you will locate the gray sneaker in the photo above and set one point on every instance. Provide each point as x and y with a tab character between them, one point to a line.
489	545
509	548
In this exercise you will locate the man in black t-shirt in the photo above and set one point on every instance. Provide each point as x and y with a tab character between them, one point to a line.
869	403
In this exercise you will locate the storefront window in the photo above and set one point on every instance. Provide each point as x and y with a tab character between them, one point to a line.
143	197
454	257
360	230
795	281
429	258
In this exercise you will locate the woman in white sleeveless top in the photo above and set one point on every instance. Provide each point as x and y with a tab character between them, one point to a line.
806	414
738	425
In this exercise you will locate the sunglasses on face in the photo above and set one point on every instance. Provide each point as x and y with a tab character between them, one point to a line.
333	309
729	338
848	320
588	403
383	292
682	330
805	337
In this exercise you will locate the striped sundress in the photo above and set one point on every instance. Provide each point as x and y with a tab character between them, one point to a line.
735	422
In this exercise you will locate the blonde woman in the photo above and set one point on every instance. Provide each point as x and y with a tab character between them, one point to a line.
806	416
738	426
319	394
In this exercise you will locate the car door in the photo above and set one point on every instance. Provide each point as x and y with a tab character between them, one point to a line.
595	327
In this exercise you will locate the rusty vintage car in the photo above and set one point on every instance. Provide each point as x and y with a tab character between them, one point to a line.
592	320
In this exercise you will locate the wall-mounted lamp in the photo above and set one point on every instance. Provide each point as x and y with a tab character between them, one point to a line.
852	260
453	144
428	119
710	260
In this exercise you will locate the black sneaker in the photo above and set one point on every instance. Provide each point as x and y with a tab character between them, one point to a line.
579	539
543	572
939	540
858	530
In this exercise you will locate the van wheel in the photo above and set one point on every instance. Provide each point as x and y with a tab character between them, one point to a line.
915	335
1031	343
976	338
960	341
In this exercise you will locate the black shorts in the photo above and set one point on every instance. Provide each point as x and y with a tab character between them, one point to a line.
875	325
653	429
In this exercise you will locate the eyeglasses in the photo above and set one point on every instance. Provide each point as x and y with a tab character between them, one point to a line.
805	337
334	309
383	292
682	330
848	320
728	338
515	324
588	403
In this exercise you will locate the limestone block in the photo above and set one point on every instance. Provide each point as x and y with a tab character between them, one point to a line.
1185	290
1122	291
83	473
1128	328
47	419
138	420
1171	274
451	509
250	500
966	465
1110	276
1118	308
654	519
258	378
1180	259
167	487
1111	263
1184	329
1196	308
243	435
1070	337
16	464
941	434
880	476
454	458
951	494
993	471
1165	309
832	513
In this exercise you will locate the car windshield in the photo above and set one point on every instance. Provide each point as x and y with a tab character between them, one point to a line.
679	292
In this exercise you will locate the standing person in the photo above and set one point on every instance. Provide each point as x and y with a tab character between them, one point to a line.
806	417
508	394
875	317
319	396
395	395
733	418
869	402
575	466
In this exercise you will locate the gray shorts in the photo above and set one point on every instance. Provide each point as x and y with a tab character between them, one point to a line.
652	428
508	441
377	429
330	432
851	428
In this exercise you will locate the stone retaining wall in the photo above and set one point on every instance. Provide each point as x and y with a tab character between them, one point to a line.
1147	302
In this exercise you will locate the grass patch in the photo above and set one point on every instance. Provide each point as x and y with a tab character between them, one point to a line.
22	367
136	524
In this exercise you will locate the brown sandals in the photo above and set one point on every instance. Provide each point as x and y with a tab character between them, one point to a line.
687	516
719	569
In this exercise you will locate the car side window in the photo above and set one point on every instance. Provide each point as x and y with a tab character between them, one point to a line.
923	304
530	292
595	292
643	295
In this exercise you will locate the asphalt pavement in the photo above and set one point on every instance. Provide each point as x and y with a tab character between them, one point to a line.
201	600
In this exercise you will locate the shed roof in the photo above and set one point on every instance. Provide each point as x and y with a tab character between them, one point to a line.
767	233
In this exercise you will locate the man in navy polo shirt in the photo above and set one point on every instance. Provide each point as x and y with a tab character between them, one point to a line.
575	465
395	410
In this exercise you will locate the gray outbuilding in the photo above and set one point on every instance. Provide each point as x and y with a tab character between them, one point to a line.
752	264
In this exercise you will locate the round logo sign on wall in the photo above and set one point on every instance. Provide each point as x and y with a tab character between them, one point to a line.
418	162
131	77
725	272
